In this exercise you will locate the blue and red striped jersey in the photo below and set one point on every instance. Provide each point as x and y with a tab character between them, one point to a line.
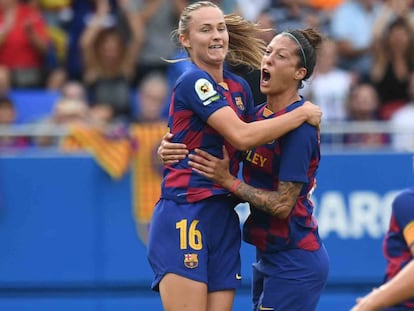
400	237
194	98
293	157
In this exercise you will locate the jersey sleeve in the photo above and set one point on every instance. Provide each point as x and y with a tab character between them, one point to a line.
198	92
403	207
297	151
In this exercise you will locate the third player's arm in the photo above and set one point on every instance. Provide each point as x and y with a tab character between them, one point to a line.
400	288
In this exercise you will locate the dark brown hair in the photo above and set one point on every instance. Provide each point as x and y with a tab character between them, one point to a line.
308	41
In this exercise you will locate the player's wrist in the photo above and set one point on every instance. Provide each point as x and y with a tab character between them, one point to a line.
235	183
301	114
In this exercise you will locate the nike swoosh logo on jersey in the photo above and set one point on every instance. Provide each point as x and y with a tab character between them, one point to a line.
238	276
265	308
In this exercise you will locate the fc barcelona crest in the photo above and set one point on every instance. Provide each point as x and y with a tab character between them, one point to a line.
191	260
239	103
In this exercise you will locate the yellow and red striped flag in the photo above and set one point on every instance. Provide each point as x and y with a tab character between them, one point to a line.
113	153
146	173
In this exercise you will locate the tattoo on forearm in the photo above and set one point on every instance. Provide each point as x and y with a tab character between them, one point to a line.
277	203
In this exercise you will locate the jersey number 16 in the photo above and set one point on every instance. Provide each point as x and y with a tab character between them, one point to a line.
189	236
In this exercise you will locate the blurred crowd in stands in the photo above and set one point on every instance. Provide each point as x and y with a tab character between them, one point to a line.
106	61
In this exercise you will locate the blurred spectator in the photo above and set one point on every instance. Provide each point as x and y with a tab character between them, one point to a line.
390	11
73	90
74	103
393	61
74	94
297	14
69	112
351	26
363	103
4	81
56	77
159	18
7	118
57	14
363	106
24	43
91	129
79	15
326	9
326	5
402	121
101	116
70	108
109	61
266	22
81	10
152	96
252	9
330	85
228	6
72	114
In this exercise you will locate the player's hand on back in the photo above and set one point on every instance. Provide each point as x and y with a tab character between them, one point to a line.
170	152
314	113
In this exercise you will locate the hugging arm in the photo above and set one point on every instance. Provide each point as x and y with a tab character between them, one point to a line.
244	135
169	152
277	203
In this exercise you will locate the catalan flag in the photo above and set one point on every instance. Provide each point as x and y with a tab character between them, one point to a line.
146	173
112	152
116	154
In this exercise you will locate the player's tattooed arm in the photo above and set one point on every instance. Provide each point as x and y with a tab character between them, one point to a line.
276	203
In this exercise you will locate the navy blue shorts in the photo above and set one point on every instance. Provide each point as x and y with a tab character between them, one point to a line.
200	241
289	280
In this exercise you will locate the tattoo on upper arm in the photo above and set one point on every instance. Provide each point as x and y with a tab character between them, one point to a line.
277	203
